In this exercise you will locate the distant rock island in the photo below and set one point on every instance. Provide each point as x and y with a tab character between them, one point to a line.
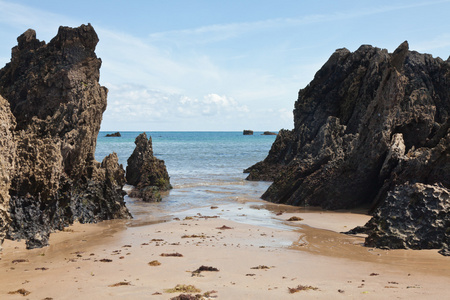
51	106
372	128
115	134
269	133
248	132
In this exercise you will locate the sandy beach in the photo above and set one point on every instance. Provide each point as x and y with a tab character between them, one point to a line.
125	260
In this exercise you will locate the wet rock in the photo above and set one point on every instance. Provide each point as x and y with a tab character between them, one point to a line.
145	172
54	95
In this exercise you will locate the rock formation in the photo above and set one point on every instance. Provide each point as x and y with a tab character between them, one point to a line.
145	172
248	132
57	105
269	133
115	134
369	128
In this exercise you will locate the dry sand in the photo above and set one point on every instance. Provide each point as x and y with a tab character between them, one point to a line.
110	260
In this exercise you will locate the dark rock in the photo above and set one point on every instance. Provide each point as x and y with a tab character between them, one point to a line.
57	104
269	133
414	216
116	134
248	132
368	122
145	172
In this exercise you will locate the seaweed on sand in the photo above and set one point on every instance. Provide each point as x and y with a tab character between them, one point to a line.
302	288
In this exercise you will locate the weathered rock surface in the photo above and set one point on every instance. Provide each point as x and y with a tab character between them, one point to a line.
248	132
415	216
145	172
369	122
7	163
57	103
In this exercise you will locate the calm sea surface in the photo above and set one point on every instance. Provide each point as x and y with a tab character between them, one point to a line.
205	169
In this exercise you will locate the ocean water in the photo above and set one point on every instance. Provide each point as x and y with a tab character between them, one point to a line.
205	169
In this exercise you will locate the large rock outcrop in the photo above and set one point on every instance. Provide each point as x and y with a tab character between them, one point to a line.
57	104
369	122
145	172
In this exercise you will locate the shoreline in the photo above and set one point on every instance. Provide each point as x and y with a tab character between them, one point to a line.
86	260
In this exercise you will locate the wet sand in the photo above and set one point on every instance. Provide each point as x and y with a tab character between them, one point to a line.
111	260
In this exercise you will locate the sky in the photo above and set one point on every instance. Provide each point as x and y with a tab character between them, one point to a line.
210	65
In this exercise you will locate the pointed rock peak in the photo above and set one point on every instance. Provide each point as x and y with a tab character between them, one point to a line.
28	41
85	35
398	57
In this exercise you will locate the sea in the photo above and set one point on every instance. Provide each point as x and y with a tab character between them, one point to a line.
205	169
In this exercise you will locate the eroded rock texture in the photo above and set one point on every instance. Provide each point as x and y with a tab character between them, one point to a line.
7	163
145	172
57	103
415	216
369	122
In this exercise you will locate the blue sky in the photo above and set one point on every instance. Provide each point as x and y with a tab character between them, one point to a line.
222	65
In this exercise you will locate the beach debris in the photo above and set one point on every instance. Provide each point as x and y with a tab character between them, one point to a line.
260	267
188	218
341	291
176	254
156	293
252	274
187	236
204	269
187	297
23	292
126	246
120	284
214	207
208	217
279	213
154	263
183	288
374	274
16	261
42	269
157	240
302	288
176	219
224	227
106	260
295	218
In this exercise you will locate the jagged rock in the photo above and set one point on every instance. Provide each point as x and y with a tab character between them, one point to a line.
248	132
145	172
57	102
415	216
269	133
115	134
368	122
